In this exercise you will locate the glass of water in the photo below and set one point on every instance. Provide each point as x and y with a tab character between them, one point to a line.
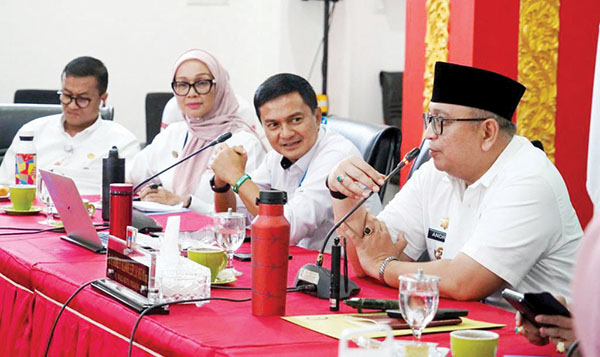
230	230
419	296
44	196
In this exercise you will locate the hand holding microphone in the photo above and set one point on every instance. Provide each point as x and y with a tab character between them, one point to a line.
352	173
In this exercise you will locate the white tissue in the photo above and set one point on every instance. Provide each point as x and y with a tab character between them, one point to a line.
180	278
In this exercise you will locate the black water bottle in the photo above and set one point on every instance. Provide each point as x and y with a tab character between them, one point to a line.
113	171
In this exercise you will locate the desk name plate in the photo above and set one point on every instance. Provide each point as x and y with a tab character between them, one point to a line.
130	275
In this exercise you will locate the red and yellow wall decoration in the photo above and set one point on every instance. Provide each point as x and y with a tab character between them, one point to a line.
548	45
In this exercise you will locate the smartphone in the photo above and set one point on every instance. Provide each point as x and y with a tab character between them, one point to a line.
243	257
441	314
532	304
246	257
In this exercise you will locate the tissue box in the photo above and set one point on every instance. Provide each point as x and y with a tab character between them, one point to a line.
183	281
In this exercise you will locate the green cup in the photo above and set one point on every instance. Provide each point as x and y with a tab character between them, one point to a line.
468	343
213	258
22	196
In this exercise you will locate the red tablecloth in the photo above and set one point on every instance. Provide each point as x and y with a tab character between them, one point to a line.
40	271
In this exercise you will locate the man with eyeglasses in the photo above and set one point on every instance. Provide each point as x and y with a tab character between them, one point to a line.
490	209
74	142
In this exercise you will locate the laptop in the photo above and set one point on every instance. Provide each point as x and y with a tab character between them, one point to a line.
69	204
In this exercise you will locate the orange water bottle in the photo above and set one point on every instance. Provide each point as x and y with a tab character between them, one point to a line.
270	249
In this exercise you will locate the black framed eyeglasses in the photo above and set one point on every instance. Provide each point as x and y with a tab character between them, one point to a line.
201	86
438	122
66	99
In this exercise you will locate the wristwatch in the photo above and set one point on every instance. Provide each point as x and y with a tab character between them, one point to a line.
216	189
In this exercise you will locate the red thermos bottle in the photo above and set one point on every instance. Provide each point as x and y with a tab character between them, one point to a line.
121	210
270	249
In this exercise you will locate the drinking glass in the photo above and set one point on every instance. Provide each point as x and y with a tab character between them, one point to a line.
44	196
419	297
230	230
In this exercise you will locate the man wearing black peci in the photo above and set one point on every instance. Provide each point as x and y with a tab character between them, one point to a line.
490	209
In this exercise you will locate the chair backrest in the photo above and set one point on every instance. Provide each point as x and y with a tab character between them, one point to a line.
391	94
155	104
37	96
378	144
421	158
14	116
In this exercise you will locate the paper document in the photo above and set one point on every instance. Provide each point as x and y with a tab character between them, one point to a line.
156	208
334	324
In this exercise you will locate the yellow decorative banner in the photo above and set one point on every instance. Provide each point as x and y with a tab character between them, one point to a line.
436	42
538	65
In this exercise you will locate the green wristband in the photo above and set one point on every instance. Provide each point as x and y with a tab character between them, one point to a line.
240	182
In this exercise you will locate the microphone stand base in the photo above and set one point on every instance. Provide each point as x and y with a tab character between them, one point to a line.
320	277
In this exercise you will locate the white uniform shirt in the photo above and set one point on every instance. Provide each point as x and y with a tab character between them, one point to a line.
79	157
516	220
167	148
309	209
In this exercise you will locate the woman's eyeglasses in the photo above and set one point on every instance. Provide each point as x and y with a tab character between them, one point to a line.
201	86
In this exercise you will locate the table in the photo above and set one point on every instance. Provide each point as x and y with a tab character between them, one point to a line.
39	272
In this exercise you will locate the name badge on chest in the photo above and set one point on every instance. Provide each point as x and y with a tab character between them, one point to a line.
436	235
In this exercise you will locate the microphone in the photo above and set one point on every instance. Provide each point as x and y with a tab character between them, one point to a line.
218	140
315	274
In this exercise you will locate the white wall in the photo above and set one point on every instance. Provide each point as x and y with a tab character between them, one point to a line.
139	41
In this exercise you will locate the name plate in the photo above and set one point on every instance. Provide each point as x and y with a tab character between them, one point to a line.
132	267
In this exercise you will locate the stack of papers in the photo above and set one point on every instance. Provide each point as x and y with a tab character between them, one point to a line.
157	208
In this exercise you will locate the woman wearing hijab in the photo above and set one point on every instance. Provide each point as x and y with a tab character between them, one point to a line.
209	107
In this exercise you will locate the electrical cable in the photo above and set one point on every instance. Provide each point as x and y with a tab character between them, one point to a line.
314	61
23	232
61	311
289	289
146	310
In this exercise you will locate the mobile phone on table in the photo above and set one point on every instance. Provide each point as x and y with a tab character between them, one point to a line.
441	314
243	257
246	257
532	304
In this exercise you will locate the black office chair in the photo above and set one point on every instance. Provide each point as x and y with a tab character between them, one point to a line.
14	116
378	144
155	104
36	96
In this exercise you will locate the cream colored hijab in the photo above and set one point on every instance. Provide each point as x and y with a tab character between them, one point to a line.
220	119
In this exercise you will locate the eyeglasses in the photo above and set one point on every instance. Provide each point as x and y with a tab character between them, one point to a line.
438	122
66	99
201	86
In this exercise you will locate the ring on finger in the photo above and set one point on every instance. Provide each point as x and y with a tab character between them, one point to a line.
340	178
368	231
560	347
519	330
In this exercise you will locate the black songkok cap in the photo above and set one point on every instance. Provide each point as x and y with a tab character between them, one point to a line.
477	88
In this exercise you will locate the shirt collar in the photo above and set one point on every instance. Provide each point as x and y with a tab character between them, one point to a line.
498	165
92	127
305	160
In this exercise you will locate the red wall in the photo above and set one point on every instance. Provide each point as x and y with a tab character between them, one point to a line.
485	34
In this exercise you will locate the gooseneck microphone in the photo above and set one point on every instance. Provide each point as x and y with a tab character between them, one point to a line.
321	277
218	140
